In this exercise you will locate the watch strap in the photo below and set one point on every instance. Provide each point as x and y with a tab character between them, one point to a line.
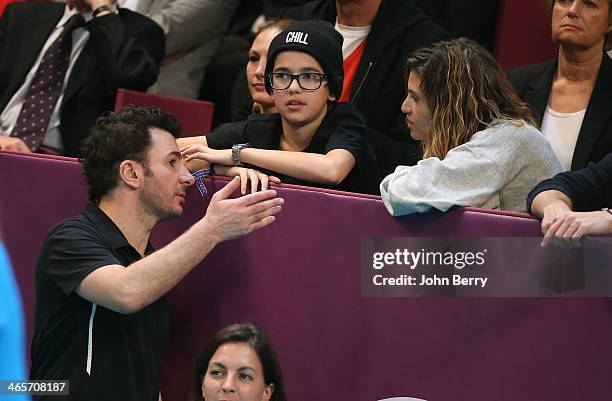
106	7
236	152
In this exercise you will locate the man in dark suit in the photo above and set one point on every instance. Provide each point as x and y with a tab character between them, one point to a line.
61	65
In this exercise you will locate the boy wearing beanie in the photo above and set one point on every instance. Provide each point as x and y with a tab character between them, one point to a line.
312	140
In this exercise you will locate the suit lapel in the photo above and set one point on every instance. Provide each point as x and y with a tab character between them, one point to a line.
539	90
597	116
83	67
39	28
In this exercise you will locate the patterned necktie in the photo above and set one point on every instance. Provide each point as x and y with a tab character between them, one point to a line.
46	87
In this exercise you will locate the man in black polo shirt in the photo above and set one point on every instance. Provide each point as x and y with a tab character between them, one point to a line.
101	318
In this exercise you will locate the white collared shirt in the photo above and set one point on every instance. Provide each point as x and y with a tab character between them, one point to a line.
8	118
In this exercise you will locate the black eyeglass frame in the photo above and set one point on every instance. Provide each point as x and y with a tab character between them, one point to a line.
296	77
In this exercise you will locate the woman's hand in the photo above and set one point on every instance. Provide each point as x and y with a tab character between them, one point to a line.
256	177
551	213
564	228
201	152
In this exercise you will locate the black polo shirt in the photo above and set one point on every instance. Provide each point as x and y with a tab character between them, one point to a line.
105	355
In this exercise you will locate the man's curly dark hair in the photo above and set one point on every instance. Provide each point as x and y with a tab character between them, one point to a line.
119	136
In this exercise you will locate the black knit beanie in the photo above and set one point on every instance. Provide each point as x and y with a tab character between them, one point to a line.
317	38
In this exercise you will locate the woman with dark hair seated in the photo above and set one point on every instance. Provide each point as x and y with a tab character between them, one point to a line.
575	203
571	96
238	363
479	145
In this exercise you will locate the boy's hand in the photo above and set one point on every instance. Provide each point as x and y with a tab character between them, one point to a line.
201	152
256	177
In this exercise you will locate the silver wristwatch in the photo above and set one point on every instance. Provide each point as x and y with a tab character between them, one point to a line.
236	152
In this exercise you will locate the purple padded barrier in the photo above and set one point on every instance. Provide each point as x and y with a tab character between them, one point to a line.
299	279
36	192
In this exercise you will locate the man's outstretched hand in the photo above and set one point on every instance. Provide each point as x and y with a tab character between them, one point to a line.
229	218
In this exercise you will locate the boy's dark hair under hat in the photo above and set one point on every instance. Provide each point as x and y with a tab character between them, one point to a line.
317	38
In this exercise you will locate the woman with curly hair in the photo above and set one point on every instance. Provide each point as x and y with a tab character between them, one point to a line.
480	147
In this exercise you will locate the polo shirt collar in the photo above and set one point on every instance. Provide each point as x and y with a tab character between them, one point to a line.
109	230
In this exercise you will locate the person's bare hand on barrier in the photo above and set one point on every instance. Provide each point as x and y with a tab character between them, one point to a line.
14	144
567	229
552	212
255	177
231	218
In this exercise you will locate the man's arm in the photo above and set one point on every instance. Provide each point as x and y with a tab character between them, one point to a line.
584	191
588	189
130	55
128	290
559	223
550	200
191	23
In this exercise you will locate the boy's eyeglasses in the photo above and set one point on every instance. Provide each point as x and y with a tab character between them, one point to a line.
309	81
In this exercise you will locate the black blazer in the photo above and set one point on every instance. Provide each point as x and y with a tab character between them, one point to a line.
533	84
123	50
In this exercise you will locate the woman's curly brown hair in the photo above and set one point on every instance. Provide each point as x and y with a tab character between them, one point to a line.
465	91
